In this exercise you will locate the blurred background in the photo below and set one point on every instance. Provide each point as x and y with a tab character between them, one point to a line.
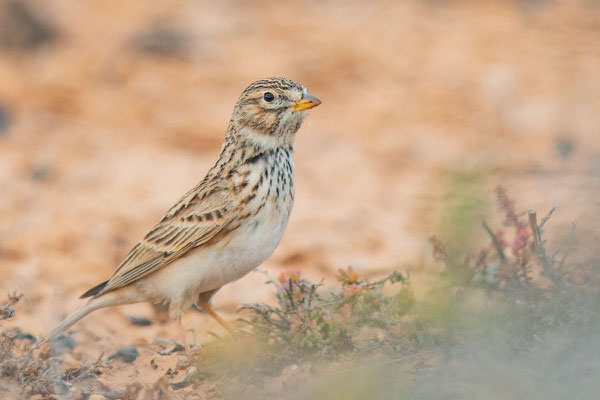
110	110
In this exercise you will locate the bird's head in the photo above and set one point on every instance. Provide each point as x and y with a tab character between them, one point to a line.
270	111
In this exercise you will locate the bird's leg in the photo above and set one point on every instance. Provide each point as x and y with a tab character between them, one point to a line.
181	332
206	307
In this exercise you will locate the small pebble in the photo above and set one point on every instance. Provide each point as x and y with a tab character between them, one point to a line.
6	312
62	343
5	120
28	336
127	354
564	146
176	347
139	321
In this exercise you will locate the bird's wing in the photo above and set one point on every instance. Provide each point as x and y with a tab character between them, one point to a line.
202	215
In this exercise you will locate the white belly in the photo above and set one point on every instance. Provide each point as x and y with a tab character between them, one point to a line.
206	269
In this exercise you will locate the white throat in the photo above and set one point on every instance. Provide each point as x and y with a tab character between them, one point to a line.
265	141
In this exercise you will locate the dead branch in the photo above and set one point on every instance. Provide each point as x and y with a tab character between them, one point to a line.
533	225
547	263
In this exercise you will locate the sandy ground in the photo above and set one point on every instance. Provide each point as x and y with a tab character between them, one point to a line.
125	109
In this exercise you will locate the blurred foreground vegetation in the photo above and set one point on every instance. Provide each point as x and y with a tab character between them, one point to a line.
514	318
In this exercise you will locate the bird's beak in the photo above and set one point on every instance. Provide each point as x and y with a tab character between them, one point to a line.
307	102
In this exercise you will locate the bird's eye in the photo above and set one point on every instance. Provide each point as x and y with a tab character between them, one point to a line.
269	97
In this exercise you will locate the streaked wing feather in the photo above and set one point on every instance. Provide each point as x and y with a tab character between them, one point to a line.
133	274
193	221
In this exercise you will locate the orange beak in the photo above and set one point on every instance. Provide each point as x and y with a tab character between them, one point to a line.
307	102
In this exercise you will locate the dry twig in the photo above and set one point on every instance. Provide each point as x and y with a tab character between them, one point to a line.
496	242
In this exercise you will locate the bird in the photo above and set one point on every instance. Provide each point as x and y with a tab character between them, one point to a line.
226	225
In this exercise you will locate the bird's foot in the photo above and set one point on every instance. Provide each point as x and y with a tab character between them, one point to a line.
206	307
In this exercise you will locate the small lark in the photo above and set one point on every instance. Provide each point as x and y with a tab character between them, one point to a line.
228	224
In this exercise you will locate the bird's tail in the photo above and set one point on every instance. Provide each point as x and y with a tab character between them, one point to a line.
68	322
109	299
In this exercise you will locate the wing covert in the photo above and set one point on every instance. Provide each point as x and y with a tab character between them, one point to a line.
193	221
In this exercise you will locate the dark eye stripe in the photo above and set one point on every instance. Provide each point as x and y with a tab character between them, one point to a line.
250	100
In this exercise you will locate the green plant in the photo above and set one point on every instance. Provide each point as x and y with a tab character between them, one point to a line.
310	321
